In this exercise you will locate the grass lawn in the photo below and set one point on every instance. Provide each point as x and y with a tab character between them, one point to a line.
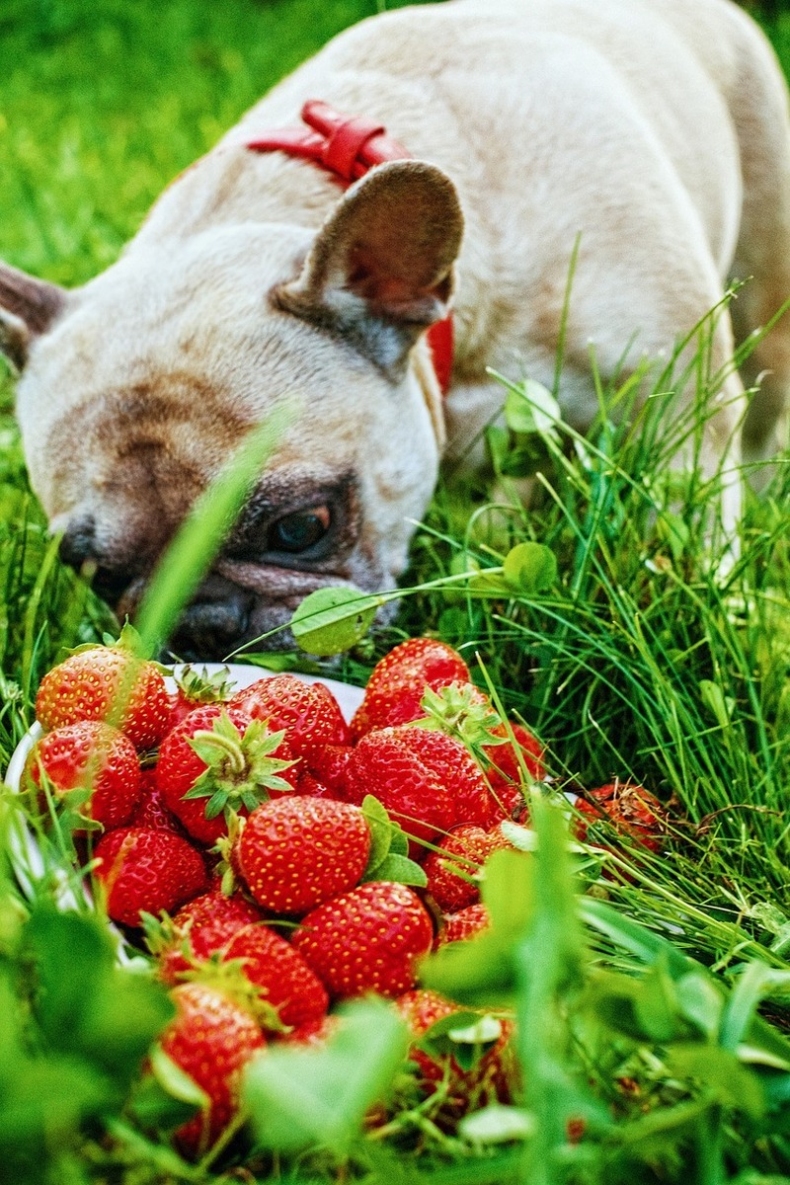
653	1005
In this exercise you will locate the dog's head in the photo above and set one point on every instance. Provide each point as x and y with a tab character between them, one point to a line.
137	388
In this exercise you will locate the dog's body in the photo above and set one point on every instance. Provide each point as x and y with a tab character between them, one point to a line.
657	130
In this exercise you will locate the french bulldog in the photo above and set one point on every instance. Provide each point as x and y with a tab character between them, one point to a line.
653	132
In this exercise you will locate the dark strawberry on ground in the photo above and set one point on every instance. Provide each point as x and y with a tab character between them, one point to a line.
201	928
397	683
111	684
307	712
468	922
368	940
489	1069
279	972
629	808
93	756
297	852
505	765
195	689
141	869
463	853
212	1038
216	760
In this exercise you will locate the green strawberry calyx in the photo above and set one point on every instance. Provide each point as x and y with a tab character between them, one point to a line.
202	687
459	711
128	643
224	848
240	769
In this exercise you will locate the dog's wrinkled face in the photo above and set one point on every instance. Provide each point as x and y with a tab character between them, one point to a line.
149	378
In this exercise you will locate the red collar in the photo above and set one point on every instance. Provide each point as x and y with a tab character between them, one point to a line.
347	148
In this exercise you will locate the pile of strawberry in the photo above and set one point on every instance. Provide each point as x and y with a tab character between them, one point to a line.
244	832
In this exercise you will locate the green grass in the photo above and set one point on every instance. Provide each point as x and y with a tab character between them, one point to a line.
636	662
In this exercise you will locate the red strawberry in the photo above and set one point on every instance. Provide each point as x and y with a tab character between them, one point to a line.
195	690
456	769
630	808
282	975
87	685
468	848
328	764
397	683
464	924
368	940
203	926
490	1076
140	869
310	787
217	758
152	810
298	851
93	756
314	1033
505	775
426	780
212	1039
308	712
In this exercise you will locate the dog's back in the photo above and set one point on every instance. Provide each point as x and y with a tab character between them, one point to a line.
634	123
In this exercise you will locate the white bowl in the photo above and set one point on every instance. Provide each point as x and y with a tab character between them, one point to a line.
24	853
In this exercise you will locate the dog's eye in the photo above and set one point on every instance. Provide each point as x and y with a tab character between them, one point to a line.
299	531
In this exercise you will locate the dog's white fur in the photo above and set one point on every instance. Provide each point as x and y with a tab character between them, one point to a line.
657	130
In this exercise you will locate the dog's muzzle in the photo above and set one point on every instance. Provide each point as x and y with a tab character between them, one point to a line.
211	626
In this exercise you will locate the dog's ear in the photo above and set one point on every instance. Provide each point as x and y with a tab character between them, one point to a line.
381	267
27	308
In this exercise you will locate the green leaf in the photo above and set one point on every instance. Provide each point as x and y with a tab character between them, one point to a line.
530	568
673	531
477	972
388	860
714	699
508	892
400	869
166	1097
50	1098
750	988
331	620
380	828
497	1124
175	1081
720	1073
463	1036
531	408
656	1003
497	442
700	1002
300	1098
399	843
85	1004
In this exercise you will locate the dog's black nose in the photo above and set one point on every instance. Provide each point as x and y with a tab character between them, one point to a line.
79	542
80	546
215	622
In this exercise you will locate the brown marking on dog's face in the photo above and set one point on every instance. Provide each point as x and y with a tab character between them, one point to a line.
134	402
